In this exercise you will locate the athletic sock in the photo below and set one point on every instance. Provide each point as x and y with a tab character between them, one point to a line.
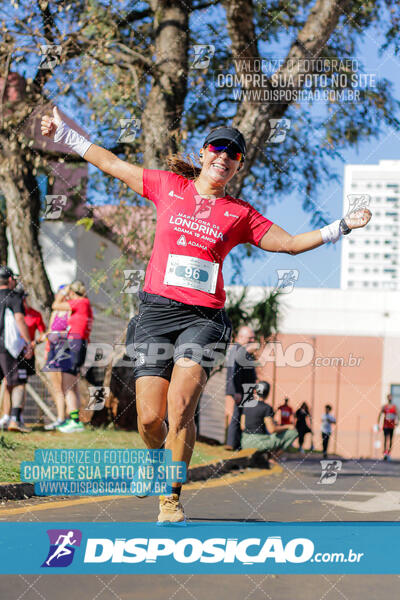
74	415
176	490
16	413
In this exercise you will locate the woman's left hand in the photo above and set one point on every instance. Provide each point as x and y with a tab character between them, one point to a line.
358	218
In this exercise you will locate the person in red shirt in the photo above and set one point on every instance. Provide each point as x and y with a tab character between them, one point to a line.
286	413
182	330
72	351
390	420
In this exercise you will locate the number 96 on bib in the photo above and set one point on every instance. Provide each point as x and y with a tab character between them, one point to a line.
191	272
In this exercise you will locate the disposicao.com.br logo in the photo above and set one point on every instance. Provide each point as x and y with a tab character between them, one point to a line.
247	551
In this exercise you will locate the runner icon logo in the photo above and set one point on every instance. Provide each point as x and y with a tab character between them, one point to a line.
278	131
330	470
97	397
62	547
203	207
50	56
358	202
133	279
286	280
54	206
249	398
129	130
203	53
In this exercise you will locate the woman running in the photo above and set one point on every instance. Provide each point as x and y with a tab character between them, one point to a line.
181	320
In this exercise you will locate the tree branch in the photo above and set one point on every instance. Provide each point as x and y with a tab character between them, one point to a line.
203	5
137	15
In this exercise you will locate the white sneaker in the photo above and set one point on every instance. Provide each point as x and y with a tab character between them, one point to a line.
53	425
4	421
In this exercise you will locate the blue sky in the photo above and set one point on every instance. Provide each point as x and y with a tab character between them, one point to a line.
321	267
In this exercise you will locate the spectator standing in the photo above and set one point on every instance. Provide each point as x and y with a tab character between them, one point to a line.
240	375
56	337
390	420
303	424
9	366
34	322
286	412
73	352
327	421
259	428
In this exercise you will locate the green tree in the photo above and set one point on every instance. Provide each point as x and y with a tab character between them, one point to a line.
116	61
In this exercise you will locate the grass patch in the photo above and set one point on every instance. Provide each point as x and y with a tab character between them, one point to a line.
16	447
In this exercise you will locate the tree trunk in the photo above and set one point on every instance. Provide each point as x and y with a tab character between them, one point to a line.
163	112
3	237
20	189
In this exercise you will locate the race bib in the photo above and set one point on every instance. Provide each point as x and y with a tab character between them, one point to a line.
190	272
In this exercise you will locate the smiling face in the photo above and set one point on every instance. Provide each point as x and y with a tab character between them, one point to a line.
217	167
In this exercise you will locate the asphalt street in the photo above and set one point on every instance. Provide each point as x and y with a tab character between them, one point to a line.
294	491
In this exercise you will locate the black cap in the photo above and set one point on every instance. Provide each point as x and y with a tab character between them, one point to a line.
229	134
5	272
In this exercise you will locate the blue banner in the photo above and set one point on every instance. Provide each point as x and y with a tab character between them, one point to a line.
99	472
302	548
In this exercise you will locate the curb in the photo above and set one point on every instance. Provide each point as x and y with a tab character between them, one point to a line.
242	460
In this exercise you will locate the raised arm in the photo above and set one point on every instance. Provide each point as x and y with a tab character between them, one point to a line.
106	161
278	240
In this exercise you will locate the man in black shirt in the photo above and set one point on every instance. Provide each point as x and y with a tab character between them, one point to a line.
240	377
9	365
259	428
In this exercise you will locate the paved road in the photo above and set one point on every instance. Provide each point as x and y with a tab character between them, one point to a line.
363	491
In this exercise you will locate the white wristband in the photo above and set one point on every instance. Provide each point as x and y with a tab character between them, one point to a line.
332	232
72	139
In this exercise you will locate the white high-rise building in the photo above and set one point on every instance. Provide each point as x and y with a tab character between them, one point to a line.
371	256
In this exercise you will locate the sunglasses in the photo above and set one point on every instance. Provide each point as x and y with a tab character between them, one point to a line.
230	150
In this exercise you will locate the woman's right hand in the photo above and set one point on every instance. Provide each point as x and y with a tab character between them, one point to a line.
50	124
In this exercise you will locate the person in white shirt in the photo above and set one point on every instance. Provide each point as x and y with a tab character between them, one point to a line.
326	429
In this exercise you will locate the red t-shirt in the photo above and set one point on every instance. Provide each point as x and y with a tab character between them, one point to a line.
286	413
34	321
81	318
390	412
203	230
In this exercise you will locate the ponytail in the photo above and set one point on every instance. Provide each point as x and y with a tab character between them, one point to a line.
184	166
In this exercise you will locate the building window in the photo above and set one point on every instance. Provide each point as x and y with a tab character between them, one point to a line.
395	391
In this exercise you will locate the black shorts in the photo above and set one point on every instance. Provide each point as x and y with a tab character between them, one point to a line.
28	364
388	431
166	330
11	370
